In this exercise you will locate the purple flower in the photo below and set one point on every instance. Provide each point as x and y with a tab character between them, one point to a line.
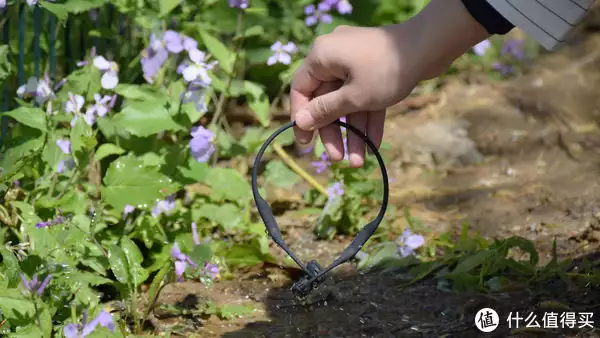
2	3
173	42
60	219
109	71
157	52
323	164
64	145
307	150
196	93
211	270
84	329
409	242
102	105
153	58
513	47
189	43
243	4
39	89
482	47
281	53
201	144
342	6
317	14
195	236
182	261
32	2
335	190
504	69
65	165
127	210
74	103
197	69
34	285
165	206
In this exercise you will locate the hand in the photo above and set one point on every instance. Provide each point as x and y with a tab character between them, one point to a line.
358	72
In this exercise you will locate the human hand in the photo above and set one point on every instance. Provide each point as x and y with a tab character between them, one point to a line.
358	72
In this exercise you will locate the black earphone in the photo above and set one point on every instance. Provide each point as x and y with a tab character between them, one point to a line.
314	273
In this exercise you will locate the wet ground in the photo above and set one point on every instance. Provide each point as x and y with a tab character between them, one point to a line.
514	158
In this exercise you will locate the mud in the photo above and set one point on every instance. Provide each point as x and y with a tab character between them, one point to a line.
514	158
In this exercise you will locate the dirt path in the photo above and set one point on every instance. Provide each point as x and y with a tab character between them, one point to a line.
520	158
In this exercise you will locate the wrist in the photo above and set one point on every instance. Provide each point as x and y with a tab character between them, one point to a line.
440	33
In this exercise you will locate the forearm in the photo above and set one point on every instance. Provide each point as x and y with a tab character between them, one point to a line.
443	31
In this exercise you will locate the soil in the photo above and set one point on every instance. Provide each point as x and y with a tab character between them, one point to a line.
519	157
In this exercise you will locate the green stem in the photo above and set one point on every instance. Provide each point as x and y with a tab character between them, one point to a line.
37	311
136	319
69	184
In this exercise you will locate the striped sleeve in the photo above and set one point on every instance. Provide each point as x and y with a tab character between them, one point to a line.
549	22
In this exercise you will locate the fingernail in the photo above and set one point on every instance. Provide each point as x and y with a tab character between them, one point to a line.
304	120
303	140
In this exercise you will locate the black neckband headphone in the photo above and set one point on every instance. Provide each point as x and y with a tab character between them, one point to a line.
314	273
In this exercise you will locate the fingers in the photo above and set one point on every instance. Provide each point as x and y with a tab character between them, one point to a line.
325	109
301	92
331	134
375	126
356	146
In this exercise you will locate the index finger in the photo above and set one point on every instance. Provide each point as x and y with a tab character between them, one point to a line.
301	92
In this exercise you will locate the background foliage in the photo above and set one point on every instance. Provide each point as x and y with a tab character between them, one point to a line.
116	155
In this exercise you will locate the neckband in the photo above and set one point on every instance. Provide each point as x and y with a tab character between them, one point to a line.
315	275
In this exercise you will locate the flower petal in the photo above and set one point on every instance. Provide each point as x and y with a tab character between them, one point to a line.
101	63
109	80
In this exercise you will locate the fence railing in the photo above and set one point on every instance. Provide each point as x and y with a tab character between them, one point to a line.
53	47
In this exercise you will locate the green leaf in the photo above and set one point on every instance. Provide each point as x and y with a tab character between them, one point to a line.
287	75
196	171
201	254
108	149
134	259
14	305
29	331
145	118
10	266
119	264
139	92
228	215
278	174
233	311
128	181
257	30
82	141
525	245
29	116
470	263
244	255
167	6
258	102
220	52
227	184
6	67
62	10
157	281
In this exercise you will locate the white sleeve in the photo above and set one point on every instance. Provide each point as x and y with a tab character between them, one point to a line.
547	21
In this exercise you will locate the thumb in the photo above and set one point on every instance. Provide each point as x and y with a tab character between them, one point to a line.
324	109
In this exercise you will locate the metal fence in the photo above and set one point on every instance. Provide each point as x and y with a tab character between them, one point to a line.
39	43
